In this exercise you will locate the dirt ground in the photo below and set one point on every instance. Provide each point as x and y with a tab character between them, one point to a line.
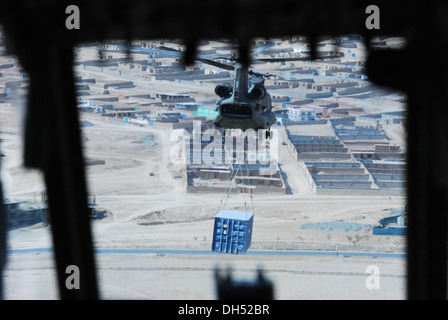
143	211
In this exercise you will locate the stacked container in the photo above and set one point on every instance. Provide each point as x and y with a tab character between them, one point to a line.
232	232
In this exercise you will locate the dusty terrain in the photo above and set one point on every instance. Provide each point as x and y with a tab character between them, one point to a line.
140	211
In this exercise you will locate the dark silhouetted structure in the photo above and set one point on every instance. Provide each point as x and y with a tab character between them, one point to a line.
36	33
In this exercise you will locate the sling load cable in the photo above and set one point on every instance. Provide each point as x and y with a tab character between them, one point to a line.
243	189
250	188
233	174
242	182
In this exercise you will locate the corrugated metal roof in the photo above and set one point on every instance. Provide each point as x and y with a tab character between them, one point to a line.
239	215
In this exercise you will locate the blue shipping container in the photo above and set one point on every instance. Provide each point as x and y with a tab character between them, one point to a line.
232	232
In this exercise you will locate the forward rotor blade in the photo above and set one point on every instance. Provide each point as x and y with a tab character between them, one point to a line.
216	64
263	48
169	49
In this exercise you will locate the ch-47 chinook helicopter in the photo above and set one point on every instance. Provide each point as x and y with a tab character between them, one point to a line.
246	104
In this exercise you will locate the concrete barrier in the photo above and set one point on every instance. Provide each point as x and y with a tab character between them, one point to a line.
362	137
334	164
389	177
345	184
236	190
391	184
302	141
324	155
386	171
320	148
341	177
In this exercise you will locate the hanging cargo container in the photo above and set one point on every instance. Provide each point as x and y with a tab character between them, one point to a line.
232	232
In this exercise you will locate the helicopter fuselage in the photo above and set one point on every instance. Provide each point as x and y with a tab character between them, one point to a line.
245	106
245	114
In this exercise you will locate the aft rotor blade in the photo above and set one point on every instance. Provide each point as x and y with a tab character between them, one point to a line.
179	54
202	56
206	59
297	58
311	76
